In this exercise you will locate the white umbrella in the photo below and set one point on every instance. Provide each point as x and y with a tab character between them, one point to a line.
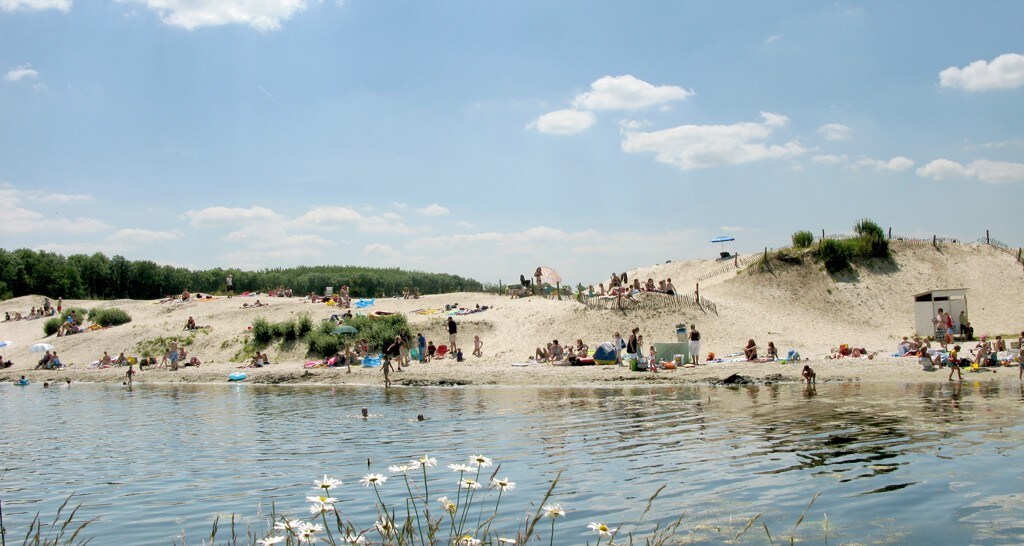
40	348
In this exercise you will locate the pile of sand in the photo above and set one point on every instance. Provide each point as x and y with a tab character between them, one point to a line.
798	307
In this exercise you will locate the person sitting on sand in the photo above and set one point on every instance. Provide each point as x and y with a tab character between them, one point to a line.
105	361
809	376
194	361
185	296
190	324
543	353
45	361
557	351
121	360
649	285
7	316
750	351
904	347
925	360
55	362
982	350
431	350
582	350
771	353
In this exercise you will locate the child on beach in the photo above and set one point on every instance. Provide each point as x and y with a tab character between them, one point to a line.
477	346
809	376
130	373
387	369
954	363
652	360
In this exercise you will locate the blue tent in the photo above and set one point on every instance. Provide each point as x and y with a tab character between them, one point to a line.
604	354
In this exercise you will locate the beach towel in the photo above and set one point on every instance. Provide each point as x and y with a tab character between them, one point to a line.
362	304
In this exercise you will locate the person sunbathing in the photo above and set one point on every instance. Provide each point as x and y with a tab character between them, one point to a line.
750	351
771	353
542	353
582	349
190	324
105	361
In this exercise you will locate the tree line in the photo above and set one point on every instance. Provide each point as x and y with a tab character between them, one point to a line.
80	276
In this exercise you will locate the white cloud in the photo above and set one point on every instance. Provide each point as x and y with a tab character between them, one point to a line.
464	224
215	216
433	210
21	72
830	159
834	131
18	219
896	164
46	197
380	250
996	144
1004	72
982	169
733	229
627	93
773	38
564	122
136	236
15	5
698	146
191	14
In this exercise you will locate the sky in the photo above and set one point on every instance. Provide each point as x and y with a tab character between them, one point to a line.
486	138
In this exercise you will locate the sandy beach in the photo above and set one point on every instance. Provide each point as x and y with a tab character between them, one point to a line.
798	307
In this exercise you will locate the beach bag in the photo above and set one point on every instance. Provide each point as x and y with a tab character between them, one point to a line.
792	355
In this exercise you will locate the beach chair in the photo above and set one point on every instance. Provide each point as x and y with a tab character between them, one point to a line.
441	351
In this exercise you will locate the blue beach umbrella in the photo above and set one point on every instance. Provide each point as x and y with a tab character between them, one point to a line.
723	239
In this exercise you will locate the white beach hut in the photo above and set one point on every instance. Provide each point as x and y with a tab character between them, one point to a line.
927	305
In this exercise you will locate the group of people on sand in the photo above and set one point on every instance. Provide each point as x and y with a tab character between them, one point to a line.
555	352
413	294
50	361
771	354
43	311
619	285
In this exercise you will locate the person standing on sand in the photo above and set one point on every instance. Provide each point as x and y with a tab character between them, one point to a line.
632	346
617	346
477	346
421	344
386	367
694	345
231	285
940	328
60	304
453	330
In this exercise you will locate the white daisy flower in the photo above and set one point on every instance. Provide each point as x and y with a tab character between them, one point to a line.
373	479
462	468
269	540
480	460
601	529
327	483
503	485
553	511
400	468
469	483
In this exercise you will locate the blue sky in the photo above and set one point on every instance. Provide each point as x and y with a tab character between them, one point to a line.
486	138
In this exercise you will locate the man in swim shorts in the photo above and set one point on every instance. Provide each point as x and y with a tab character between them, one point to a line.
453	329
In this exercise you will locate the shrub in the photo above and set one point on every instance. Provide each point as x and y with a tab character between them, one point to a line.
109	317
871	242
80	314
835	254
803	239
868	228
323	345
381	331
262	332
304	325
51	326
287	330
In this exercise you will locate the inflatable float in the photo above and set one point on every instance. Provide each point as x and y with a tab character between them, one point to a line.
22	382
237	376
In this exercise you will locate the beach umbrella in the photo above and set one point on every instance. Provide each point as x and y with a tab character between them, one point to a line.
346	329
550	276
5	344
723	239
40	348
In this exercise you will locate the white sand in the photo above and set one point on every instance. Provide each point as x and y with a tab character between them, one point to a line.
797	307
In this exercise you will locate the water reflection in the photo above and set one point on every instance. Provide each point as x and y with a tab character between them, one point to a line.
169	458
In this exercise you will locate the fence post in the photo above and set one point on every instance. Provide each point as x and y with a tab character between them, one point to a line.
823	235
890	233
698	291
935	241
987	240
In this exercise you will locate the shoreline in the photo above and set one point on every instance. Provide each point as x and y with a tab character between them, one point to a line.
889	370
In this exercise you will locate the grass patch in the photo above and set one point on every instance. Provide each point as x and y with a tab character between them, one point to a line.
109	317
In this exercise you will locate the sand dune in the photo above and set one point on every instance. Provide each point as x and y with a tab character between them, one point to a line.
798	307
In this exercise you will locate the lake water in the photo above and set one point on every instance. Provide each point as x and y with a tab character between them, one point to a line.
917	463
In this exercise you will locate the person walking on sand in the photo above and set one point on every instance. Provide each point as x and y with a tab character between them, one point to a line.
694	345
453	330
129	374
